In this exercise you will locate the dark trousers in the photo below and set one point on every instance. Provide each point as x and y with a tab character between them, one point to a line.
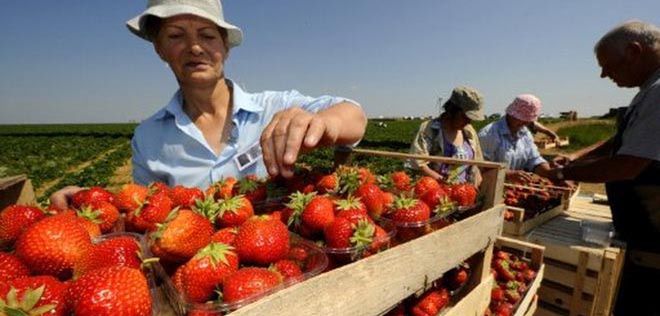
638	293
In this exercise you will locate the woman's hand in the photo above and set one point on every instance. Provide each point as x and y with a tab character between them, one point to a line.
60	199
294	130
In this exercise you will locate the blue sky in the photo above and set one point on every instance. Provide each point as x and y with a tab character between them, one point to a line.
68	61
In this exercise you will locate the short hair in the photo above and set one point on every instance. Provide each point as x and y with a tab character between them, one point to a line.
631	31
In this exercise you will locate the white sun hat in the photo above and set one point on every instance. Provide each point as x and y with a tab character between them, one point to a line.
208	9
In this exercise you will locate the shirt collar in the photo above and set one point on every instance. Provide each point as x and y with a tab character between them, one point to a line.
652	79
503	128
241	100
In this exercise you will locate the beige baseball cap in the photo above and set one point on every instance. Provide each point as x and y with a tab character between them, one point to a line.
470	101
207	9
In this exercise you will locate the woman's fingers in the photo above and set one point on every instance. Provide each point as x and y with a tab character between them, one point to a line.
268	147
60	199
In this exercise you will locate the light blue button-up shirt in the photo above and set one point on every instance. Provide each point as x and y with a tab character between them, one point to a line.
519	152
169	147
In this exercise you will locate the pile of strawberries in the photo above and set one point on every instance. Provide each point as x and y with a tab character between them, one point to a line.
222	245
53	265
535	196
433	300
513	276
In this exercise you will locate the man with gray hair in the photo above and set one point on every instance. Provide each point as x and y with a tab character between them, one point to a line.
629	162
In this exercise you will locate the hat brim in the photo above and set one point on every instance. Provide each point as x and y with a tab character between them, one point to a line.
475	115
136	24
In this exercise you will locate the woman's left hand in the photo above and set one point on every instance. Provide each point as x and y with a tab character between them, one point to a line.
294	130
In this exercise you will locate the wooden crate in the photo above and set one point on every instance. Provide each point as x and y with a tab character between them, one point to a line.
519	226
546	143
580	278
534	253
373	285
16	190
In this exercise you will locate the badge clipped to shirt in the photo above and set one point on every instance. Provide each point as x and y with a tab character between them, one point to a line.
248	157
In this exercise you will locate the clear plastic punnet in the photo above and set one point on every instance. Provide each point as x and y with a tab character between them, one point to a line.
314	262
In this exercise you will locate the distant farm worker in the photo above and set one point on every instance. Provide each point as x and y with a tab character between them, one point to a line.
509	141
629	162
212	128
452	135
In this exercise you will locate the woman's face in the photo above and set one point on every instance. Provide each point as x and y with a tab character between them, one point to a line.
515	124
194	49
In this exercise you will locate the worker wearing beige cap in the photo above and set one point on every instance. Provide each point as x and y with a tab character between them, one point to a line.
452	135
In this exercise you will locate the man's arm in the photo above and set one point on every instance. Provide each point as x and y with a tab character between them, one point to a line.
598	150
604	169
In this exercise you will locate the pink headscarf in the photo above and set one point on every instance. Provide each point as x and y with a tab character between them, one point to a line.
525	107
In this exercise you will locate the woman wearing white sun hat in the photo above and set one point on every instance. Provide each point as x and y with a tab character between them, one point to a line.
211	128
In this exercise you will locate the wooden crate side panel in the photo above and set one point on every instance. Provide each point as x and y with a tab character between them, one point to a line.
531	311
492	187
16	190
608	281
373	284
530	296
566	277
476	302
546	309
562	298
523	227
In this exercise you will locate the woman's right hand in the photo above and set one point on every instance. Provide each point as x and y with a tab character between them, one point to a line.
61	198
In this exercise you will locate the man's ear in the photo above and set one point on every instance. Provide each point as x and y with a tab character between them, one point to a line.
634	49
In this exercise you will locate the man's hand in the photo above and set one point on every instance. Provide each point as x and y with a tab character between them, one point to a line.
291	131
60	199
561	160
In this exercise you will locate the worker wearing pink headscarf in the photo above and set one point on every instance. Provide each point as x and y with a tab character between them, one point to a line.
508	140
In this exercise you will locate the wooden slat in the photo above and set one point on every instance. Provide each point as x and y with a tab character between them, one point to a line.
608	281
371	285
454	161
576	300
473	304
567	278
16	190
560	298
521	227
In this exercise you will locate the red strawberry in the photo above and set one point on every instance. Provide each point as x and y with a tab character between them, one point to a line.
433	196
424	184
222	189
111	291
233	211
131	197
294	209
200	276
328	183
14	219
155	187
183	236
318	214
249	282
343	233
102	213
226	235
122	251
39	295
372	197
288	269
91	195
366	177
154	211
11	267
185	197
252	188
431	303
497	294
262	240
352	209
54	245
401	180
409	210
464	194
92	228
